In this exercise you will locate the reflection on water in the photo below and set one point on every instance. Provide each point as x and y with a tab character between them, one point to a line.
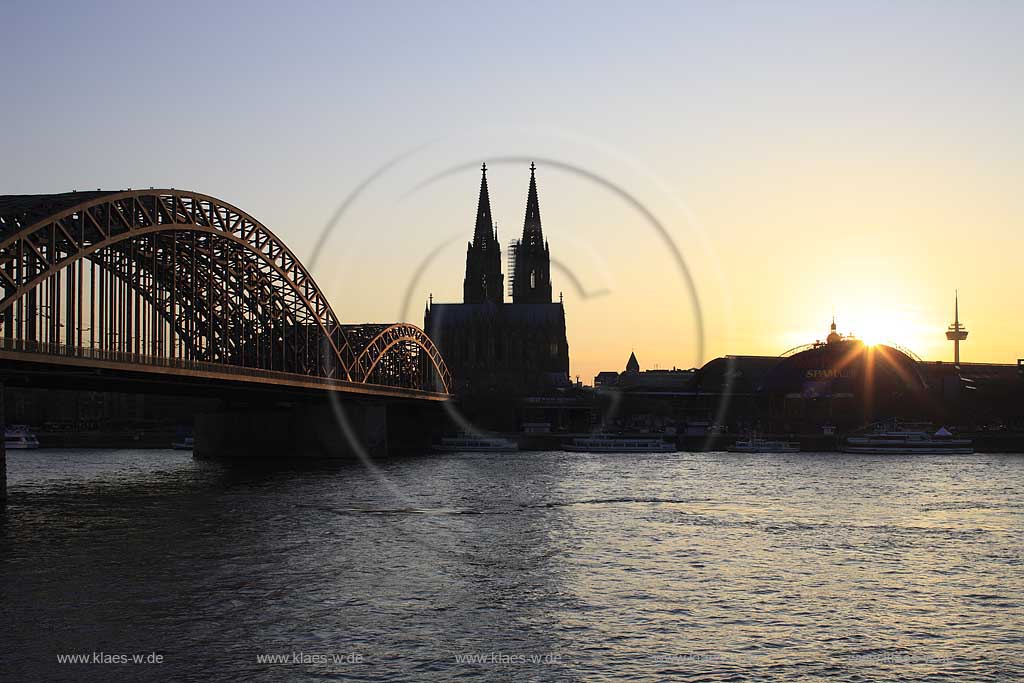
524	566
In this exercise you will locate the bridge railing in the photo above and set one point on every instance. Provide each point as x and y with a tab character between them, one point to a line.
129	358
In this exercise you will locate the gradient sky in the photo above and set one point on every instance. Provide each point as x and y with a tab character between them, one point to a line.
866	157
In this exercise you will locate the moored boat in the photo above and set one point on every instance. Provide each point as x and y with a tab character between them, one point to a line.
755	444
468	443
610	443
19	437
897	438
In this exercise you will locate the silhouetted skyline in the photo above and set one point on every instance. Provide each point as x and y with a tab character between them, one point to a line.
803	157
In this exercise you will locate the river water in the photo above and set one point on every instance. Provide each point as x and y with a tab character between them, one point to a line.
525	566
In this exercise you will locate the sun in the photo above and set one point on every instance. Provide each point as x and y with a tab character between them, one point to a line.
885	328
872	334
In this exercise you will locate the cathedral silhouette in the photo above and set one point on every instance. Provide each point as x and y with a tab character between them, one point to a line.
494	347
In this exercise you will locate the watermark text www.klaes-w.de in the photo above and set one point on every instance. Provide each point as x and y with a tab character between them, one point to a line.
310	658
110	658
508	659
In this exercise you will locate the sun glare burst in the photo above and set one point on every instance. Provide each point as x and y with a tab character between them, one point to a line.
886	328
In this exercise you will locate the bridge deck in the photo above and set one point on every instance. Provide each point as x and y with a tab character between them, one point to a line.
19	355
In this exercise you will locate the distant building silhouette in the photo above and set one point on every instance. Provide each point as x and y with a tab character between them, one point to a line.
836	383
833	335
632	365
632	379
956	332
499	348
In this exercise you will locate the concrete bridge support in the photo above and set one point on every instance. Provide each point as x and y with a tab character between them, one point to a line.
3	451
3	469
303	429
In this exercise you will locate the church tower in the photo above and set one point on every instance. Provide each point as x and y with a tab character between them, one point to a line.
484	281
532	277
495	348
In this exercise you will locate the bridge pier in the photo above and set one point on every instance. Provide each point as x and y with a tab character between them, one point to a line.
3	450
304	429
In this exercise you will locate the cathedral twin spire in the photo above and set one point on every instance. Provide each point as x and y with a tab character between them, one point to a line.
484	281
532	232
532	277
532	270
485	227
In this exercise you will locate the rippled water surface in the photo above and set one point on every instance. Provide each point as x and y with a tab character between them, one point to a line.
532	566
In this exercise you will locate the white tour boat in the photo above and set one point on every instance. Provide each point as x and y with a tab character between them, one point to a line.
907	439
19	437
755	444
610	443
467	443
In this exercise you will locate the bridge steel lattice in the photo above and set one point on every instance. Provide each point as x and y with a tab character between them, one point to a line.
181	279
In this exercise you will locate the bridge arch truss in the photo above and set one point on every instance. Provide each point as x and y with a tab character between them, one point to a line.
181	276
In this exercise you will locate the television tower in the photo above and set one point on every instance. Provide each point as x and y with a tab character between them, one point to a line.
956	332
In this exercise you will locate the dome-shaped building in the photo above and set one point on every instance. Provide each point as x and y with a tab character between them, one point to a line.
845	382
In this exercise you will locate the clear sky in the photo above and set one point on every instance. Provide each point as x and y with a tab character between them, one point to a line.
802	156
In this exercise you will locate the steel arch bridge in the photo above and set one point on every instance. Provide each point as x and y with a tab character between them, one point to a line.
173	278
